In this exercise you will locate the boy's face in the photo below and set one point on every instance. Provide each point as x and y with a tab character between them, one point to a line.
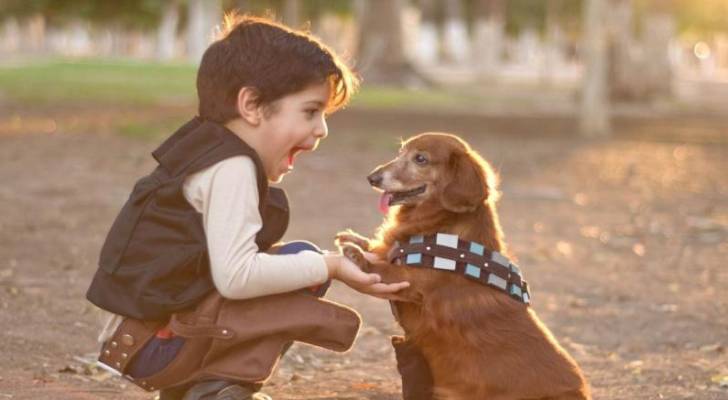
296	123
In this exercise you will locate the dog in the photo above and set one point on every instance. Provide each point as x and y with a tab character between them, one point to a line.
479	342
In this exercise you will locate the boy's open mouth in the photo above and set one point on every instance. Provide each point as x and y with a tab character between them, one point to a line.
292	155
389	199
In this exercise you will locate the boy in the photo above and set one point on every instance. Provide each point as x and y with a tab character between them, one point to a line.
191	242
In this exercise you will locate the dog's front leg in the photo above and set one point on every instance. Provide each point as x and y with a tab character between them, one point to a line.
355	253
389	273
349	236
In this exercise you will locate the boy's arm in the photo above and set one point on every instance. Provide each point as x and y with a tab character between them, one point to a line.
226	194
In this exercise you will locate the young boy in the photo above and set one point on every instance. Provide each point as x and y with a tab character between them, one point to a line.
200	229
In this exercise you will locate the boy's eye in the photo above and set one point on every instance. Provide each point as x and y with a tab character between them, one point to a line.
311	112
420	159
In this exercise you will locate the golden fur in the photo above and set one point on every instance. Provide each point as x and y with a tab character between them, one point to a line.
479	343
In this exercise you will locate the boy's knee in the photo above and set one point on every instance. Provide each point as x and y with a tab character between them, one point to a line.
298	246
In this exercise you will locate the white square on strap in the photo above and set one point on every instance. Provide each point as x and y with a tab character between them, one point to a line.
417	239
446	239
497	281
444	263
472	270
500	259
414	258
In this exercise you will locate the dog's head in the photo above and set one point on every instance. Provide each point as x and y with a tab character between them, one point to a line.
438	169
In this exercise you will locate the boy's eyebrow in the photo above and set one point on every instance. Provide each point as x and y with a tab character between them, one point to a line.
317	103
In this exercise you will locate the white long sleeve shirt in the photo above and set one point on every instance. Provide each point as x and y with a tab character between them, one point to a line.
226	194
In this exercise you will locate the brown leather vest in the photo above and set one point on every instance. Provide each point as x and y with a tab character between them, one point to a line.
154	261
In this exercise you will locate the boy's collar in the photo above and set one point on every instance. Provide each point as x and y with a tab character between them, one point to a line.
217	129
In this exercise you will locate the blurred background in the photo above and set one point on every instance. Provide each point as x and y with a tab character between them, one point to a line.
582	58
607	121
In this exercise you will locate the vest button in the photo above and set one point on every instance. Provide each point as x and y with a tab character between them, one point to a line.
127	339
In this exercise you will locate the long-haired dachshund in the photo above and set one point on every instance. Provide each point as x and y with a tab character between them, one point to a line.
480	339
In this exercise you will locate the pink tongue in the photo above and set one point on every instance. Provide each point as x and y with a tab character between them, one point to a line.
384	202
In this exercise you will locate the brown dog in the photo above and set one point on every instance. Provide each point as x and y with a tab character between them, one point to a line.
478	341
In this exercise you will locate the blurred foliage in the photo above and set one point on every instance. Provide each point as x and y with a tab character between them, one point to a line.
698	17
123	13
145	14
524	15
309	8
521	15
702	17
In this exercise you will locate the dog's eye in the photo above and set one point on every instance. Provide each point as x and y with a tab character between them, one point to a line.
420	159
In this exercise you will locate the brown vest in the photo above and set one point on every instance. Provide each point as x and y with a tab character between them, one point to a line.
154	261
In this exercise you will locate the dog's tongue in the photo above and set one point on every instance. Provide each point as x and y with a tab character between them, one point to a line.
384	202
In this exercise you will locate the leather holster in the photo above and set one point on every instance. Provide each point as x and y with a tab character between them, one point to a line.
238	340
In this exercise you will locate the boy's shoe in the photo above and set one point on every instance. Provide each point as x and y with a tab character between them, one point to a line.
222	390
237	392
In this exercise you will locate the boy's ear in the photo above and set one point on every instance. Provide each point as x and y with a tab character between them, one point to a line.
249	105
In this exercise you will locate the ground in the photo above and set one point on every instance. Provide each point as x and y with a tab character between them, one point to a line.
623	241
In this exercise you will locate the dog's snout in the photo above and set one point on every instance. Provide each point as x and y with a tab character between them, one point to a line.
375	179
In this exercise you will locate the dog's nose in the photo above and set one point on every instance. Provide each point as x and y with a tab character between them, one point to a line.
375	179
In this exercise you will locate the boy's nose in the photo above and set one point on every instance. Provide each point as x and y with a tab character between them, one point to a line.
321	131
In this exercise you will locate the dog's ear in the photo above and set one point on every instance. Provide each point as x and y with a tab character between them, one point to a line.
466	186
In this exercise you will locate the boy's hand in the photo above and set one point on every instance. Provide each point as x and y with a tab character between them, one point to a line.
343	269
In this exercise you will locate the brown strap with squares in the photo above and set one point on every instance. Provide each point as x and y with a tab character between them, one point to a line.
448	252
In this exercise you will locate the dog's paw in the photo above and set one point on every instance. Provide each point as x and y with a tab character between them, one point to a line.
349	236
356	255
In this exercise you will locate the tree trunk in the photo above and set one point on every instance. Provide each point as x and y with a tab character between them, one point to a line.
203	15
659	30
457	42
167	31
36	32
554	43
427	48
639	68
11	35
624	77
489	35
381	57
594	118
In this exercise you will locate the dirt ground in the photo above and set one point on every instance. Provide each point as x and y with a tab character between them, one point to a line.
623	241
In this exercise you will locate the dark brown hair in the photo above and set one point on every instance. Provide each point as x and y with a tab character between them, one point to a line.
273	59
